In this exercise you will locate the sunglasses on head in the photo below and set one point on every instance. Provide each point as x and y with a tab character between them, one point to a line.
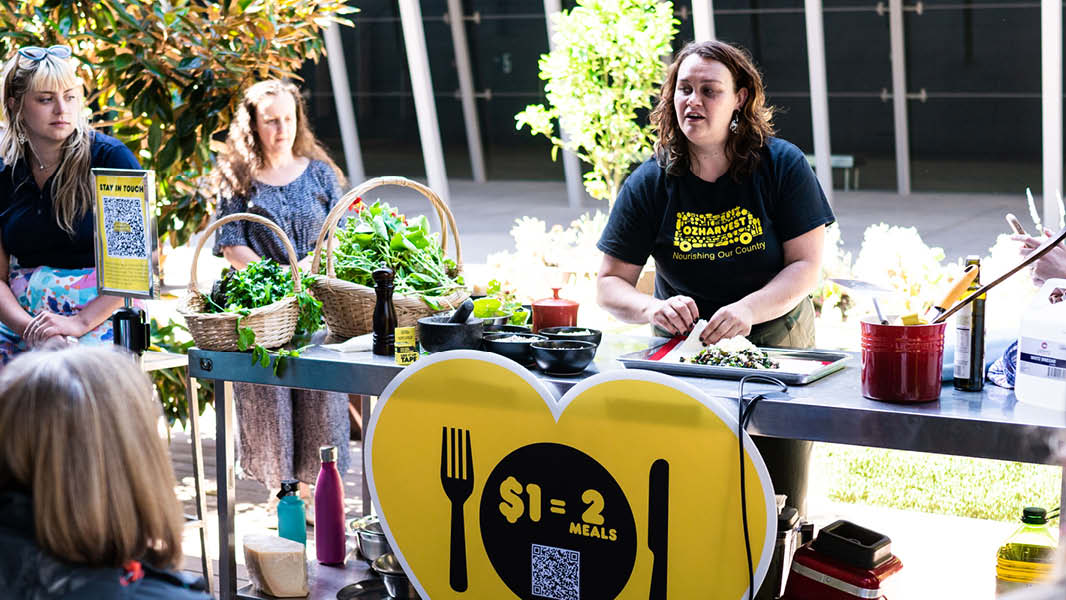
37	54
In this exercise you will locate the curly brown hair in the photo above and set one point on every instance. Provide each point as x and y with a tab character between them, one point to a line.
755	118
243	154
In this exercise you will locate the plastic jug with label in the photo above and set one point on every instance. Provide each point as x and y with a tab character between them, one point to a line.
1041	375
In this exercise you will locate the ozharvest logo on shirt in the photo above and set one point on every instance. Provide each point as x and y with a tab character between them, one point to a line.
734	231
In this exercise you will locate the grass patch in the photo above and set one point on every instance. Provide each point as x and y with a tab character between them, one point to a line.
935	483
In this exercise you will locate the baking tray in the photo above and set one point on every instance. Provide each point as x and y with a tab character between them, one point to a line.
830	362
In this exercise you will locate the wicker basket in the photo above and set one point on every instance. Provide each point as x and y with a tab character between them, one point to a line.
273	324
349	307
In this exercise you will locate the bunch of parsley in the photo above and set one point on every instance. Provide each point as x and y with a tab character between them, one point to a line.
262	283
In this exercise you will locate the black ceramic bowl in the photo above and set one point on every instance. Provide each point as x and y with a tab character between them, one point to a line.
506	328
517	351
566	333
563	357
436	334
498	320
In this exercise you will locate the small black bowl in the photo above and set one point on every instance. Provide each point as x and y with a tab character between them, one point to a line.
561	334
507	328
563	357
517	351
436	334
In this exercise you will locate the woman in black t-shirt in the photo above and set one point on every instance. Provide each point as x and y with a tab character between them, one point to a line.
733	217
47	264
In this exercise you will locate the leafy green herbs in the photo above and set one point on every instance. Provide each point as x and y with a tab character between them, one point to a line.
377	236
262	283
498	302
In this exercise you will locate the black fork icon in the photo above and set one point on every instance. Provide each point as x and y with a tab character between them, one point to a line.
458	483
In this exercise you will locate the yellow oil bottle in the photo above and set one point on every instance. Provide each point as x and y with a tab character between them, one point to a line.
1026	558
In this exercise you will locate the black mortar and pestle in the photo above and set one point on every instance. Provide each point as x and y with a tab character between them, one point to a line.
456	331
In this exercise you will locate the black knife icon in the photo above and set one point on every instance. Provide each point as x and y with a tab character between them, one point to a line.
658	517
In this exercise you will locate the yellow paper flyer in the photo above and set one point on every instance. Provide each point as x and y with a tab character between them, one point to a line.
124	233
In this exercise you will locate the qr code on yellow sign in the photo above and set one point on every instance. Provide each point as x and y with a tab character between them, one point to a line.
125	227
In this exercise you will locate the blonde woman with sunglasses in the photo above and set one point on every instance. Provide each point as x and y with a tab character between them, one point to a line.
47	266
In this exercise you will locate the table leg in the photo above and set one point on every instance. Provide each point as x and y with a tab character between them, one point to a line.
366	507
224	456
193	407
1062	500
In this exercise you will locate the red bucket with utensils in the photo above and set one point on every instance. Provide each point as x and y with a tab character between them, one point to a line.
902	363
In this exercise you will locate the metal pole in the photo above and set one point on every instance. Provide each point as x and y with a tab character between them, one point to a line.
899	98
575	189
414	39
224	456
703	20
342	95
1051	87
819	95
466	89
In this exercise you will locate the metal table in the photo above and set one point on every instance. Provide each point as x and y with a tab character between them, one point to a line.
986	424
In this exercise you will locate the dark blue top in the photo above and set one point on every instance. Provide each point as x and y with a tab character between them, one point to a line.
716	242
299	207
27	224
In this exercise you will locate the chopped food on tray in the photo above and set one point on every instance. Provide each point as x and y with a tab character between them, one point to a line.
748	358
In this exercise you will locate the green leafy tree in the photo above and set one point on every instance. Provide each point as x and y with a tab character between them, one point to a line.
168	74
607	63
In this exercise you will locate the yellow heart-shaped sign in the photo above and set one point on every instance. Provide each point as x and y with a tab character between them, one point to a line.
627	487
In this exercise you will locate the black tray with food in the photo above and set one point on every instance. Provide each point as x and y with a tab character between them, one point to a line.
794	367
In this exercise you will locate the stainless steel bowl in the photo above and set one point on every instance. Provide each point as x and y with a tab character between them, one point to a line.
396	582
369	537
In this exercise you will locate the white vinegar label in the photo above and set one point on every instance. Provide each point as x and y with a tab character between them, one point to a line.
962	341
1041	358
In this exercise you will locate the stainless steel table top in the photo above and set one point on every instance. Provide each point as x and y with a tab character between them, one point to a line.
986	424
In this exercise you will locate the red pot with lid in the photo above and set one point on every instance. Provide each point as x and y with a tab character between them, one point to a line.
554	312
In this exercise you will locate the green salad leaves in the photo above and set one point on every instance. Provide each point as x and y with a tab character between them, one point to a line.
378	236
262	283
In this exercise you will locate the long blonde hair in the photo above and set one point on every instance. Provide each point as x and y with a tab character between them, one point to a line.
72	192
78	430
243	155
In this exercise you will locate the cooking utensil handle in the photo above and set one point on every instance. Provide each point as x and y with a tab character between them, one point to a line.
1033	256
1015	224
959	288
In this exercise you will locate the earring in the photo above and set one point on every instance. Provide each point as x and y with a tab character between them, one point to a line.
735	123
21	137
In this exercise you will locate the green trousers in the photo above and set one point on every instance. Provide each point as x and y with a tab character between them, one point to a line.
788	461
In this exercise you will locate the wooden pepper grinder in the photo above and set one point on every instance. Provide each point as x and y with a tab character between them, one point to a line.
384	312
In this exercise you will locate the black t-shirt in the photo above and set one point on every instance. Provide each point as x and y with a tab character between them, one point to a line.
716	242
28	225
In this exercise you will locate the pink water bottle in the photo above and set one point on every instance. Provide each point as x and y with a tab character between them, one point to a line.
329	510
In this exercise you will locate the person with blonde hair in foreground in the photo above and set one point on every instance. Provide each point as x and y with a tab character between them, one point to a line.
87	505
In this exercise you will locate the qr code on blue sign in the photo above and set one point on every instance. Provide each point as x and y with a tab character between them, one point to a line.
125	227
556	573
